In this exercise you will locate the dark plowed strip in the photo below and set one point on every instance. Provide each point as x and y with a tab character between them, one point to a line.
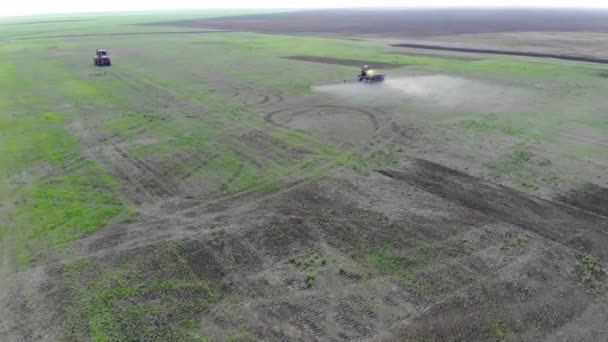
408	22
436	55
591	198
505	52
561	223
339	61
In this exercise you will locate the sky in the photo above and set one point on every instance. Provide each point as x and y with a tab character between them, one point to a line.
28	7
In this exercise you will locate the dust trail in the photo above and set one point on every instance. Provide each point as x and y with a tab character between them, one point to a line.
433	90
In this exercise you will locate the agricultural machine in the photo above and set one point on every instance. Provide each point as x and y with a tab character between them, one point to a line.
369	75
102	58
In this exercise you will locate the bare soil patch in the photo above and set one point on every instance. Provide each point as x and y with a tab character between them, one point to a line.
575	43
591	198
340	61
415	52
410	23
329	121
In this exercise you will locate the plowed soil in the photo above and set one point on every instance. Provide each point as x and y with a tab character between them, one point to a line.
410	23
504	52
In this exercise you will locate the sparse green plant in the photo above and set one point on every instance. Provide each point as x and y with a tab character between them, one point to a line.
129	215
327	214
515	167
309	278
464	246
497	330
593	272
521	156
518	242
510	130
244	335
386	260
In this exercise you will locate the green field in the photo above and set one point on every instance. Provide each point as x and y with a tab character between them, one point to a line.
116	180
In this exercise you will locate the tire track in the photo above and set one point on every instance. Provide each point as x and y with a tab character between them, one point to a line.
159	184
585	139
303	110
251	97
554	221
224	186
271	148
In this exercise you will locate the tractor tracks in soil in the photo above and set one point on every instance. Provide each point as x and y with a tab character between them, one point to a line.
559	222
250	96
162	223
320	110
152	186
565	230
134	171
381	122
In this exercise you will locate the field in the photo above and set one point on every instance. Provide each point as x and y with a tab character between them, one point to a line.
218	185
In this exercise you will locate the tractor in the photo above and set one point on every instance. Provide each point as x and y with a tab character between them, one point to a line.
102	58
369	75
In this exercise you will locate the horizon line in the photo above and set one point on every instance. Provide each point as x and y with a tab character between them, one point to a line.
298	9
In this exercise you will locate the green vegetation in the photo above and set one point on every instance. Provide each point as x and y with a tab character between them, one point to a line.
311	262
58	196
516	168
521	169
404	266
496	330
517	242
243	335
307	262
43	25
137	301
593	272
309	278
363	165
481	125
327	214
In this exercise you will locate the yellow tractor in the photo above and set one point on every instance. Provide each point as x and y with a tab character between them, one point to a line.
369	75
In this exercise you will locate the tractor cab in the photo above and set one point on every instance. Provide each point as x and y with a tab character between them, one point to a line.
101	58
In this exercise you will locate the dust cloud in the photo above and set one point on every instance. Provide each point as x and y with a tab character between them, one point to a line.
433	90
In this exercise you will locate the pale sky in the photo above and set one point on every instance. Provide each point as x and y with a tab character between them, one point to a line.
27	7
